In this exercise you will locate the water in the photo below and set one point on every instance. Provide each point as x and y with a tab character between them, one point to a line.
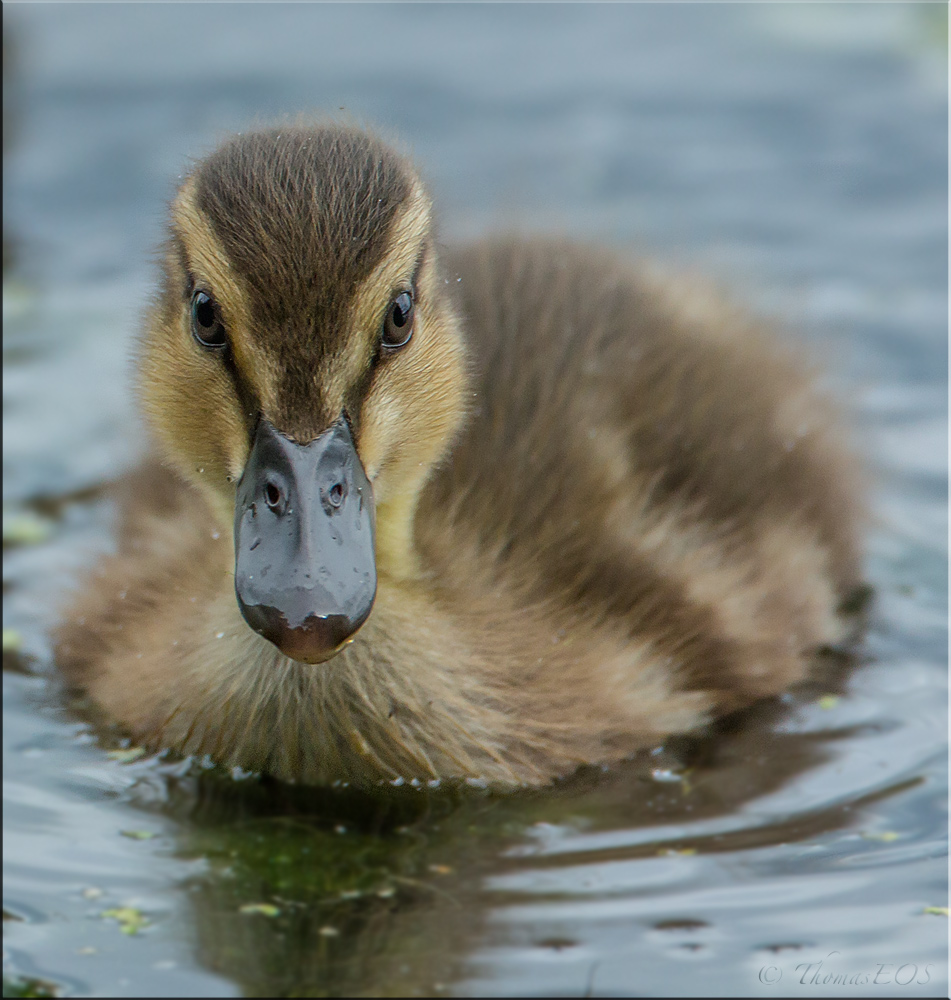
797	153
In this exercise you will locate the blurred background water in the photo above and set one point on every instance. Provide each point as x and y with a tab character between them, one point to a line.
796	153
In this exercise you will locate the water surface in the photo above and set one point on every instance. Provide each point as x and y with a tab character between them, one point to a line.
797	154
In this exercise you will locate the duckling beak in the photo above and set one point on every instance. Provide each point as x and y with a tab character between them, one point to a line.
305	573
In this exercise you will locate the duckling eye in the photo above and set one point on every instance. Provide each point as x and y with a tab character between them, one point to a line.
398	325
207	327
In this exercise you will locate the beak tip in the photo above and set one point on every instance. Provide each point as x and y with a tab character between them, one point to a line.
315	640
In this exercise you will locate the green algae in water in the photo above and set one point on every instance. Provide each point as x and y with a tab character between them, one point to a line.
12	640
304	864
262	909
129	919
27	986
296	882
14	659
25	529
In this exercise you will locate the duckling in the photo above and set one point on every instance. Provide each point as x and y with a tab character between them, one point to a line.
488	513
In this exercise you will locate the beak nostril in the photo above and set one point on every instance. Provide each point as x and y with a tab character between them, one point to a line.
272	495
335	495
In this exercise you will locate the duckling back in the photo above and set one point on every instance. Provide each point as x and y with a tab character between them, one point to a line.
646	460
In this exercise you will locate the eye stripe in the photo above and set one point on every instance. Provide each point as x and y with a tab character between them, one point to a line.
247	398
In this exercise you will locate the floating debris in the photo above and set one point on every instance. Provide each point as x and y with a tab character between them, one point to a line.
683	852
129	919
15	661
128	755
667	775
12	640
938	911
329	932
138	834
263	909
886	836
440	869
25	529
556	943
828	701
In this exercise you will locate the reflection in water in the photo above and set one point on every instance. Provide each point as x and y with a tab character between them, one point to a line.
323	892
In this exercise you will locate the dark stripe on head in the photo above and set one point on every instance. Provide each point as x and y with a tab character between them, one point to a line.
303	215
244	391
359	390
247	397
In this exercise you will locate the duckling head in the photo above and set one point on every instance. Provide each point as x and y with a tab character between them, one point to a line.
303	368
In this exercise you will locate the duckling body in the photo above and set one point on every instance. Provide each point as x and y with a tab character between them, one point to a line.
606	510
